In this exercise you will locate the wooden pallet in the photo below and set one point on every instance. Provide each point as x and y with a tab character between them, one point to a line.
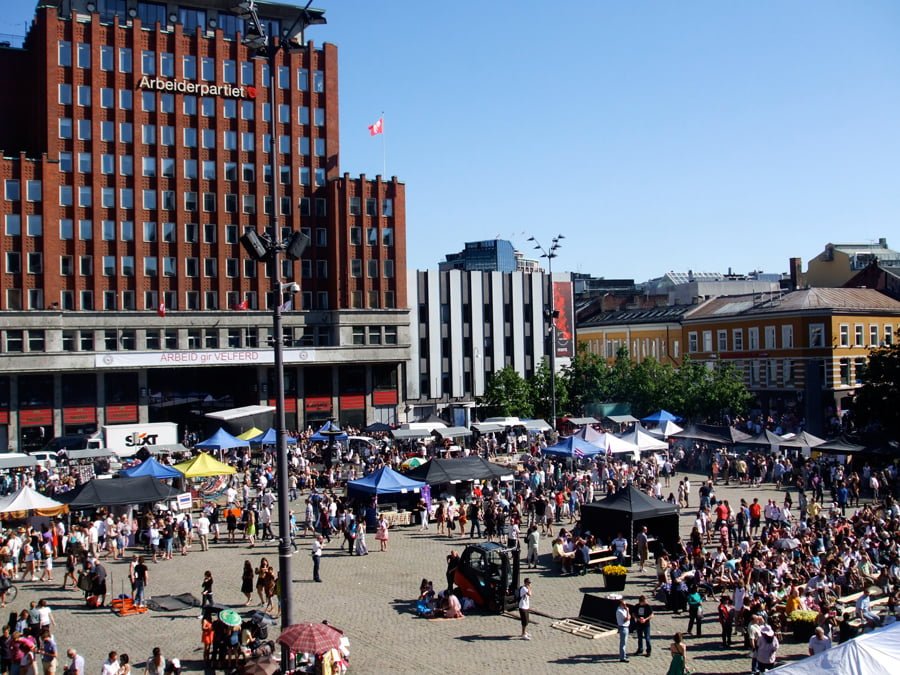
583	629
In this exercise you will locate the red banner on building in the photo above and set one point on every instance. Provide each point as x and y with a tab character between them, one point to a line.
353	402
564	304
121	413
35	417
80	415
387	397
318	404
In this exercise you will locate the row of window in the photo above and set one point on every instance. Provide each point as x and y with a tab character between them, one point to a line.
165	136
152	101
163	64
16	341
191	300
374	335
816	338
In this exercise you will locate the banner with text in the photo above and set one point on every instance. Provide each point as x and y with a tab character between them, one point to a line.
230	357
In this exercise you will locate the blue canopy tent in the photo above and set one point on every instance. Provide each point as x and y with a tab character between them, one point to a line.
385	481
222	440
269	437
572	447
322	437
151	467
661	416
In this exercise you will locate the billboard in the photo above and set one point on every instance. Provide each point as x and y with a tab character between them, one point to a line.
564	304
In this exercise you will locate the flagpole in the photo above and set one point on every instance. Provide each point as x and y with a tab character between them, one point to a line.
383	150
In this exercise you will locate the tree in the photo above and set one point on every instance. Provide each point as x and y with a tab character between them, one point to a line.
507	394
586	380
878	400
539	386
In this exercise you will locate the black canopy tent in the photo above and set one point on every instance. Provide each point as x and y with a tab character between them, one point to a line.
626	511
840	446
117	492
710	434
438	471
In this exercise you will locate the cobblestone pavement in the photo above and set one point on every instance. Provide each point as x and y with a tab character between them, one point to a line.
372	599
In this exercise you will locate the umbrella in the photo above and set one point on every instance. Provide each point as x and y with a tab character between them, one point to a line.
310	638
787	544
230	618
412	463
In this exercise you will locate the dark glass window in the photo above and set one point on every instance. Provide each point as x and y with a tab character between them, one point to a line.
109	9
152	13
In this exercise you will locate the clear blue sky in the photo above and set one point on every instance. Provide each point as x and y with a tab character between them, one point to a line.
654	135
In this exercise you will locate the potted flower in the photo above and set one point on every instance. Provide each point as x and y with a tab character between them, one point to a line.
803	624
614	577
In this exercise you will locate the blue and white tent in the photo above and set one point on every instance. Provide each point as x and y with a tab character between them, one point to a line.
385	481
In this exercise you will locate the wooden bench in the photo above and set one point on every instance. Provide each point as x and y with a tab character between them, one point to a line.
878	602
599	558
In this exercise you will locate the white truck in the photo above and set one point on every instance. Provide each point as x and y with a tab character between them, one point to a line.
126	439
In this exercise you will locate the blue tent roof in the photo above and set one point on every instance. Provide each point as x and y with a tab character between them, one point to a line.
385	481
323	438
269	437
661	416
222	440
151	467
567	447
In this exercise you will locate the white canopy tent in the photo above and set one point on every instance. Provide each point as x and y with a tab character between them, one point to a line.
875	653
664	430
643	440
615	445
27	499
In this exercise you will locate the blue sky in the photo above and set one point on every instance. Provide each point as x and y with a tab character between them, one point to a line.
653	135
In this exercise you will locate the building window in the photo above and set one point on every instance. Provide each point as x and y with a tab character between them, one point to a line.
84	55
859	370
753	339
13	225
693	344
707	341
389	273
859	338
816	335
191	20
34	225
124	60
845	372
845	335
65	54
888	335
873	335
107	54
359	335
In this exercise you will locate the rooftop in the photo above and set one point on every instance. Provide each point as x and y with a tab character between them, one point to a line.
810	299
671	313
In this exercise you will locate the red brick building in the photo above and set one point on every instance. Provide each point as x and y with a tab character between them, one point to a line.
135	153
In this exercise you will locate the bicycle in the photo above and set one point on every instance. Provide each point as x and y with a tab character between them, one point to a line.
11	592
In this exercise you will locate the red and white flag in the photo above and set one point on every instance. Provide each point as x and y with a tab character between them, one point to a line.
377	128
161	310
242	306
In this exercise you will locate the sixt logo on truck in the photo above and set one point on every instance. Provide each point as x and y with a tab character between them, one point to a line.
139	440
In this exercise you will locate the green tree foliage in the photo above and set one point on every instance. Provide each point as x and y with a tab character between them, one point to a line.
507	395
695	391
539	393
878	400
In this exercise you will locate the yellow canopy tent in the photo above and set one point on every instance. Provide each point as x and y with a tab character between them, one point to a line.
204	465
251	433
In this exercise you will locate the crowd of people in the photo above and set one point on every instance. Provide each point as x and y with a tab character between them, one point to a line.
834	534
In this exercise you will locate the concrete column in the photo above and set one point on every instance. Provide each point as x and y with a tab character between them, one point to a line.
370	386
58	429
143	401
13	427
335	392
101	399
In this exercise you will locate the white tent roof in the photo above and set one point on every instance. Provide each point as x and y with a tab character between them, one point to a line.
875	653
615	445
643	440
27	499
664	430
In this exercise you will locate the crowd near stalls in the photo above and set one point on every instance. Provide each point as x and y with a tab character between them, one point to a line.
824	555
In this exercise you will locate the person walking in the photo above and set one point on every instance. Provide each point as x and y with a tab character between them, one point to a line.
642	545
247	582
206	592
623	621
643	613
361	547
141	579
533	540
525	607
679	656
317	556
261	573
695	610
726	619
382	533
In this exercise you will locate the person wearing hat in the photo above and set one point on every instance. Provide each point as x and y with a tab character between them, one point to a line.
767	649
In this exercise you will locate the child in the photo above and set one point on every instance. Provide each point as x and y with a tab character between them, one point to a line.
206	594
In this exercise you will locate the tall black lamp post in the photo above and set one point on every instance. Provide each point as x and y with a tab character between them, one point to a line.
268	247
552	314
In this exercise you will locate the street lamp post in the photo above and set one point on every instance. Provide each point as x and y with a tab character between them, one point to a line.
269	248
551	315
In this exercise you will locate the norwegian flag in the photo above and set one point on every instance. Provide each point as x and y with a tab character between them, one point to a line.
579	453
161	310
377	128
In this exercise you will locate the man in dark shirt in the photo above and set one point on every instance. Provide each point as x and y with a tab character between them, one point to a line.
141	579
643	612
98	582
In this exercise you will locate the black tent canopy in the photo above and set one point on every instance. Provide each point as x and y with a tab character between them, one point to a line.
840	446
710	434
626	511
437	471
117	491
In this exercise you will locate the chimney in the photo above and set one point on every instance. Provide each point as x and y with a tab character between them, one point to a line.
882	241
796	269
